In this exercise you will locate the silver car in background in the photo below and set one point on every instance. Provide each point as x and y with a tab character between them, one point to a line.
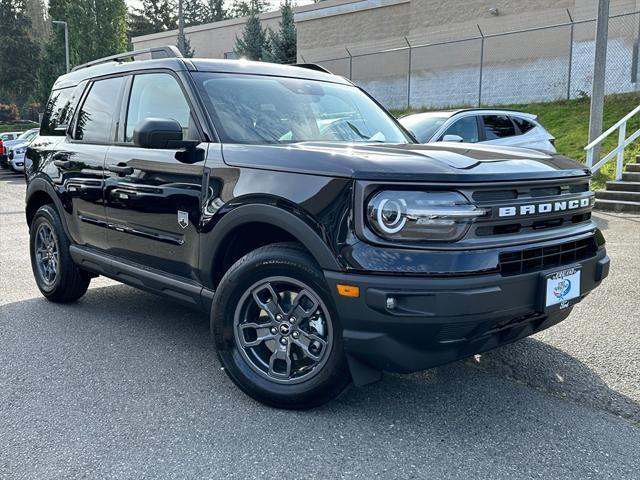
474	125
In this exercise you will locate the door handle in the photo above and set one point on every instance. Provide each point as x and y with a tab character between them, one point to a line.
64	163
120	169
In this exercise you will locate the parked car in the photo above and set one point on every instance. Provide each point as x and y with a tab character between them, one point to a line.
325	244
7	136
25	137
474	125
16	157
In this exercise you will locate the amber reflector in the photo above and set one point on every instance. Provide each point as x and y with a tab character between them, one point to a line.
348	290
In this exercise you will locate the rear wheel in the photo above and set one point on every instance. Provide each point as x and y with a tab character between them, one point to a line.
57	277
277	332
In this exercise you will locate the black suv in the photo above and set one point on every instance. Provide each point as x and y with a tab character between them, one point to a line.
327	245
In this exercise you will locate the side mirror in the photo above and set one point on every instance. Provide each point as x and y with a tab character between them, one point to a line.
161	133
452	138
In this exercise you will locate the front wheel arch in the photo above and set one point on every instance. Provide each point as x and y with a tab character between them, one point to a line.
295	228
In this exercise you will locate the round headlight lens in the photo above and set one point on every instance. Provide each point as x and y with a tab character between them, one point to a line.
421	216
391	214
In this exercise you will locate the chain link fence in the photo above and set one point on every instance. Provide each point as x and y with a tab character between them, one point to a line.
532	65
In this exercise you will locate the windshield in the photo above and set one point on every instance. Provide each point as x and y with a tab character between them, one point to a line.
423	126
254	109
28	135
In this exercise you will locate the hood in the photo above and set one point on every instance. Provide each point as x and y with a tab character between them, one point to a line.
440	161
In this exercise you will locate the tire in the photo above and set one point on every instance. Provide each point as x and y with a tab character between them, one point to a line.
60	281
316	370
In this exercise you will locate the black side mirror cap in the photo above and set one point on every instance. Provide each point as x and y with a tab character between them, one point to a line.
161	133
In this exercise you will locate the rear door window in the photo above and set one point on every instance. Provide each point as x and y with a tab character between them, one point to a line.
98	113
498	126
466	127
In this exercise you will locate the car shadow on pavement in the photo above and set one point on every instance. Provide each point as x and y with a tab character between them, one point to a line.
145	326
8	176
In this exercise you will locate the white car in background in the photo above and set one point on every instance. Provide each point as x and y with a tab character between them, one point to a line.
474	125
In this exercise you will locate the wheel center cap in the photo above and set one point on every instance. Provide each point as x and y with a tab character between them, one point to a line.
285	328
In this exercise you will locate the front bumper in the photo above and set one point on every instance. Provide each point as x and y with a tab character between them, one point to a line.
437	320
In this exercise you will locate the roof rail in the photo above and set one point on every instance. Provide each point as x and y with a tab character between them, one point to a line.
156	52
312	66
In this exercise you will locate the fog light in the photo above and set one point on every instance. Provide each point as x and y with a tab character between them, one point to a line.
392	303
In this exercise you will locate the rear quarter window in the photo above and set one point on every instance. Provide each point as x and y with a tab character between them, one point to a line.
523	125
59	111
498	126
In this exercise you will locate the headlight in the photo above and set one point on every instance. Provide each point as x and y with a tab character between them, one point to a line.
426	216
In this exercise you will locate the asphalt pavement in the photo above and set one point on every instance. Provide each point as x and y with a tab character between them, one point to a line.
124	384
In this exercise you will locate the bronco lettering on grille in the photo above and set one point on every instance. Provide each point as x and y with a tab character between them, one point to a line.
549	207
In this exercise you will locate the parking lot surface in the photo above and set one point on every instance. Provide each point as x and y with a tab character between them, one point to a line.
124	384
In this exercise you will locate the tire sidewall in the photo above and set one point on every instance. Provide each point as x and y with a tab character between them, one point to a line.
46	215
333	376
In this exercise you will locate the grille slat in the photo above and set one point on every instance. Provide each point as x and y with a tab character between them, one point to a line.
536	259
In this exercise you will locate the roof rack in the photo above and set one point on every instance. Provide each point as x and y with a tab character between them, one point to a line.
313	66
156	52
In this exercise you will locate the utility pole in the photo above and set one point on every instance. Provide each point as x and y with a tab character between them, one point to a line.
180	28
66	40
599	71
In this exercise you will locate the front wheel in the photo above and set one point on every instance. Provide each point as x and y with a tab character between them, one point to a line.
276	329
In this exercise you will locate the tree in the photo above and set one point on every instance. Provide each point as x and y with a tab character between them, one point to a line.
194	12
254	43
159	14
188	51
244	8
216	11
284	43
19	55
36	10
97	28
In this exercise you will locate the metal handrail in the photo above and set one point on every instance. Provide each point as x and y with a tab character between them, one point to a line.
618	152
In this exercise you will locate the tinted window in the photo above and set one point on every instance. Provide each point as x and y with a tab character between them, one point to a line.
498	126
58	111
157	95
96	117
523	125
467	128
423	126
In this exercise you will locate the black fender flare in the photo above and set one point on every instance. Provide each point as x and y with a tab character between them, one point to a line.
278	217
41	185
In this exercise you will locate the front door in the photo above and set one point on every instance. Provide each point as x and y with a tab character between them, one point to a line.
152	199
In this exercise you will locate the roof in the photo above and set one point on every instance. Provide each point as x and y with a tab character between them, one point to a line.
195	64
451	113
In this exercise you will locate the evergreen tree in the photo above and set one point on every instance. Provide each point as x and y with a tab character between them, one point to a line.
216	11
254	43
244	8
19	55
195	12
188	51
97	28
37	12
160	14
284	43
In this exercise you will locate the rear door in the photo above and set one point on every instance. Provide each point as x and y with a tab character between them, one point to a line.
152	199
79	161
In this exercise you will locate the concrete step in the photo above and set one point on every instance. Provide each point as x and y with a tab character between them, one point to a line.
632	167
620	186
615	206
618	196
631	176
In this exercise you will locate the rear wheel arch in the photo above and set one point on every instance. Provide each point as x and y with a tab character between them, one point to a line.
252	226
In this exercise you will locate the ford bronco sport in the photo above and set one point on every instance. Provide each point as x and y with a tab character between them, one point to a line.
326	244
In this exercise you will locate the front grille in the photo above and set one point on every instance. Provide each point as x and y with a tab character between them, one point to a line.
536	259
557	192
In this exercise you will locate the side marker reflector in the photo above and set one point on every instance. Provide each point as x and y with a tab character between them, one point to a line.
348	290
